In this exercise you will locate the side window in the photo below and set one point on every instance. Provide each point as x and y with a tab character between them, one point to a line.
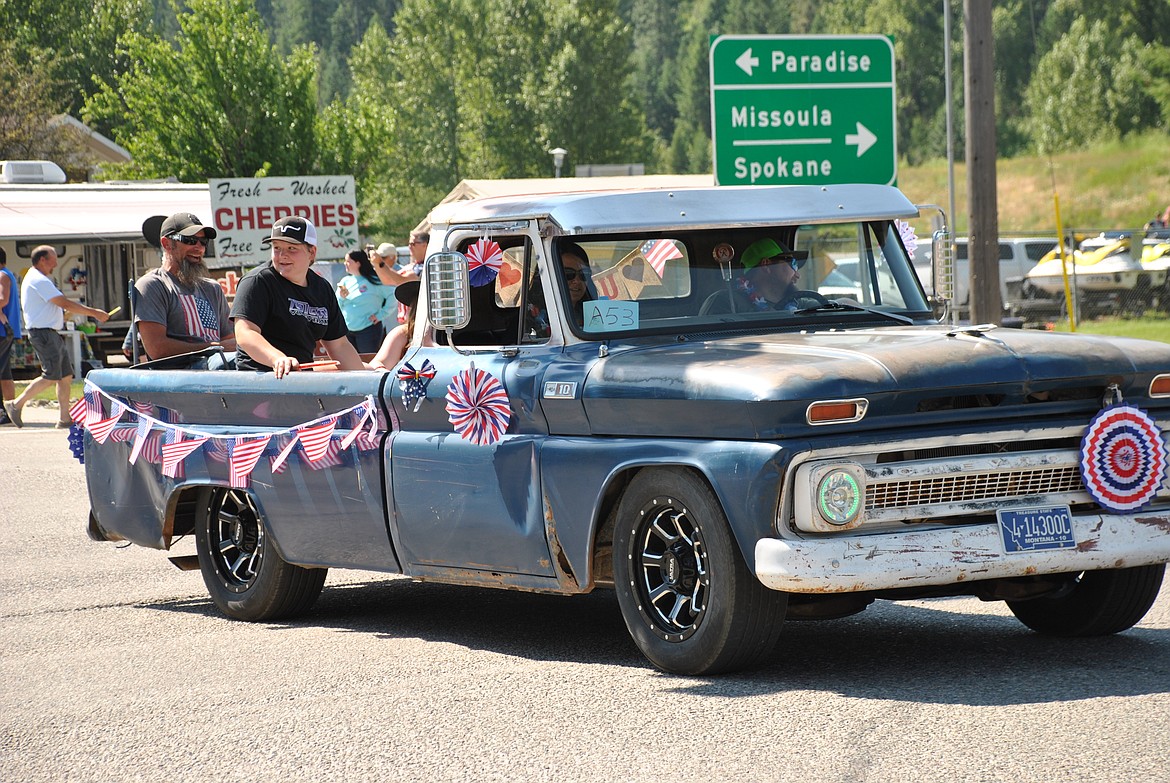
644	277
505	292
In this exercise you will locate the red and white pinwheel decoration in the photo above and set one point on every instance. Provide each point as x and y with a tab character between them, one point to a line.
477	406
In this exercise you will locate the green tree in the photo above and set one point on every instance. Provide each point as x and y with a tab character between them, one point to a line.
28	130
1091	86
656	35
484	90
218	101
74	40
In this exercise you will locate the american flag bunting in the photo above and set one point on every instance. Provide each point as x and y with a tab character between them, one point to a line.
245	455
173	454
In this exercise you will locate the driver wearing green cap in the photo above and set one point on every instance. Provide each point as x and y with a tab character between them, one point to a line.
770	274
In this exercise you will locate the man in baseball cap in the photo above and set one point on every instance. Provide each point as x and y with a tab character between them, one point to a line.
184	224
178	307
771	272
283	308
293	229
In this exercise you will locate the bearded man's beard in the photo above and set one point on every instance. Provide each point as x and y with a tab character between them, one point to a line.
191	272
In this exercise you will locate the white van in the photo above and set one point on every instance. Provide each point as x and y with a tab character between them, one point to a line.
1017	255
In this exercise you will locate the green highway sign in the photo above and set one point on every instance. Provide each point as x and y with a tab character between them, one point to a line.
803	109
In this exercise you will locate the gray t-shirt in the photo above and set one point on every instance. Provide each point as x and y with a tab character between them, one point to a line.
194	315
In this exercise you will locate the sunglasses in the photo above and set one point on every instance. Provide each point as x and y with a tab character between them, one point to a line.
573	274
185	240
795	263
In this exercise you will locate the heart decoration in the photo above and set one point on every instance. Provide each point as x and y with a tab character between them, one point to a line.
634	270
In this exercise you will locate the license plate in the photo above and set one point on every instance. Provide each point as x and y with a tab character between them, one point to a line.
1036	529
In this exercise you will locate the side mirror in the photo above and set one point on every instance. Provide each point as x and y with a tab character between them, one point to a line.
448	290
942	260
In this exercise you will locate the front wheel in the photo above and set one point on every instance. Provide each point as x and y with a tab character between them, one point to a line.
686	595
1094	603
245	576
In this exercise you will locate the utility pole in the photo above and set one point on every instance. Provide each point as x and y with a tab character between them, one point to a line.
982	209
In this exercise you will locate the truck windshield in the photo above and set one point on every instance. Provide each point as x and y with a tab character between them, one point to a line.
754	278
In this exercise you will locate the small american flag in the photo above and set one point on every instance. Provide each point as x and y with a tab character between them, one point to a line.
330	458
245	455
201	320
101	429
173	454
141	433
658	251
315	439
77	411
93	407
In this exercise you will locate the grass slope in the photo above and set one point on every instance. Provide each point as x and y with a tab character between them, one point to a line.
1120	185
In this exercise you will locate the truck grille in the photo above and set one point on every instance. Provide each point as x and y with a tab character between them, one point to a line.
965	488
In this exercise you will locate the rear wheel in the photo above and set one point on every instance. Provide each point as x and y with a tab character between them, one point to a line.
244	575
688	599
1094	603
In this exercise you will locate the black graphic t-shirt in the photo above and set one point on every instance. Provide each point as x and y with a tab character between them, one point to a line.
291	317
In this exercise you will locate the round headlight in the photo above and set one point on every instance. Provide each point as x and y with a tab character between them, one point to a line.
839	497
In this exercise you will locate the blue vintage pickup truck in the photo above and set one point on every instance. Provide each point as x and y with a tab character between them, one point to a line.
662	425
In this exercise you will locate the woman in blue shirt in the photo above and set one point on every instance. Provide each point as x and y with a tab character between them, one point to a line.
364	302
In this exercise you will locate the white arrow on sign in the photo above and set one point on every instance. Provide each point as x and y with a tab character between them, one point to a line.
747	62
864	139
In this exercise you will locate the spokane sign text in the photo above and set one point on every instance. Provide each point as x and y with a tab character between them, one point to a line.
780	168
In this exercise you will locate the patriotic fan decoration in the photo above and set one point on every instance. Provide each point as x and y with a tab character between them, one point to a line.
1123	458
414	383
477	406
909	238
484	258
160	440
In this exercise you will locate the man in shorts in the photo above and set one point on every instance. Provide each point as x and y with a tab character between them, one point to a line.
44	309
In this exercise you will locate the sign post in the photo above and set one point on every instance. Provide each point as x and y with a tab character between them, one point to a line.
803	109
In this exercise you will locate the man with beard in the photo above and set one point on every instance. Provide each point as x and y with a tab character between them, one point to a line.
177	309
771	272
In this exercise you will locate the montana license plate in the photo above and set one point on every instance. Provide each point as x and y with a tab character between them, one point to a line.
1036	529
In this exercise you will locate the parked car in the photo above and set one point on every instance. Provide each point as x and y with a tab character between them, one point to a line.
1017	256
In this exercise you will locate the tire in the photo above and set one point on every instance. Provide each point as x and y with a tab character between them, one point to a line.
1095	603
246	578
686	595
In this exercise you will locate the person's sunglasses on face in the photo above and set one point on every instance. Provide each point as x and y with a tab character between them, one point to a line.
185	240
790	260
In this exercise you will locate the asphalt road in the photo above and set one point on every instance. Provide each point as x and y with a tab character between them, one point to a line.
115	666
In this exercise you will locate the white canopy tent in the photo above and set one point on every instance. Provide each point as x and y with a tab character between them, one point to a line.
93	212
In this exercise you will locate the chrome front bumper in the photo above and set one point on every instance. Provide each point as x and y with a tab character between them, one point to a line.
852	563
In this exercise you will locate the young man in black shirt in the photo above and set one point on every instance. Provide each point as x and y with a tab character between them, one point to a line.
283	308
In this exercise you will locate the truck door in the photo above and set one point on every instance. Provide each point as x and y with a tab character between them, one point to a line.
459	505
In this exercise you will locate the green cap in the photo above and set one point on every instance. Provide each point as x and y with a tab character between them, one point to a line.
769	248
